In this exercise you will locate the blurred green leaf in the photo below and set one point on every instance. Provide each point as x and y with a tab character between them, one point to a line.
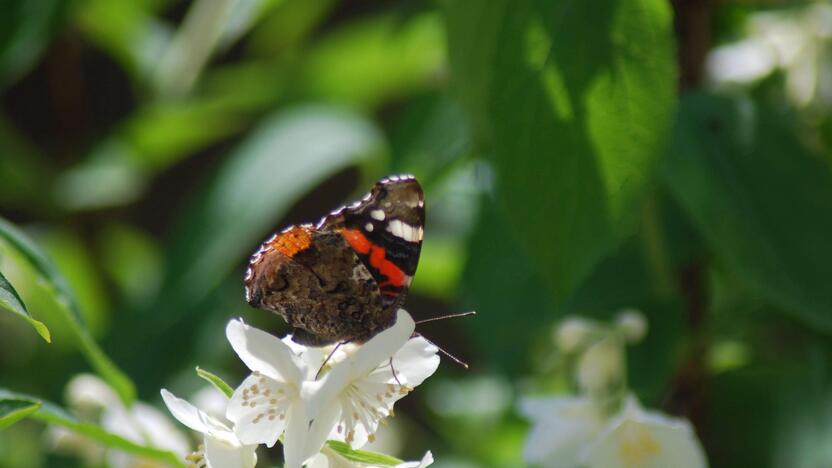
133	261
25	28
52	414
429	137
13	410
59	289
258	182
575	116
127	30
760	200
216	381
377	60
285	28
363	457
502	286
10	300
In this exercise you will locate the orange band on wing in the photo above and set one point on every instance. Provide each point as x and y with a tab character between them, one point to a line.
360	243
292	241
357	240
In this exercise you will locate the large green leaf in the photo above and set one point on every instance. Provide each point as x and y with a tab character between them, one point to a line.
57	286
10	300
760	200
53	414
574	99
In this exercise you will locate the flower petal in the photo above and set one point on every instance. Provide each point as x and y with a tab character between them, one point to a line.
221	454
322	427
416	361
184	412
646	439
427	460
365	359
263	352
294	441
562	429
259	408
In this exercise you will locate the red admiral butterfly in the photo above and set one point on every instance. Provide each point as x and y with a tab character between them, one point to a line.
344	278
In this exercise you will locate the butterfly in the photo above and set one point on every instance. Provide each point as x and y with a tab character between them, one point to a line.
344	278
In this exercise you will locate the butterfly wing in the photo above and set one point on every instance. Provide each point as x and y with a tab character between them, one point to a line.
385	230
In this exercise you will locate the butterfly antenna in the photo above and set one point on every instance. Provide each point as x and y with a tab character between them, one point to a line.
443	317
451	356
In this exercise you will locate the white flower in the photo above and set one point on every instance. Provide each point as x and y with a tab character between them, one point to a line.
267	404
357	393
645	439
571	431
141	423
222	448
329	458
562	429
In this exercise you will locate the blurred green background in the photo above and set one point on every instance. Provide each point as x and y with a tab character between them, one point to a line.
577	157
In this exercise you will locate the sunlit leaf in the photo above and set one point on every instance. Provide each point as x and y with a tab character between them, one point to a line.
376	59
574	115
10	300
53	414
59	289
216	381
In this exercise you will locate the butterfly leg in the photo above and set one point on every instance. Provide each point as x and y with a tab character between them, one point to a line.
394	372
329	356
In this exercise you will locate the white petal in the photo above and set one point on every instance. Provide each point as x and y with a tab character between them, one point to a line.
259	416
297	426
263	352
562	429
366	359
646	439
184	412
416	361
221	454
87	390
427	460
322	427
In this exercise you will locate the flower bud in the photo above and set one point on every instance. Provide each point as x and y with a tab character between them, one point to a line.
571	333
600	366
632	324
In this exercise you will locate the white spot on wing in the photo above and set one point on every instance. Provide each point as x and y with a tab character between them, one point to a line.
404	231
377	214
369	227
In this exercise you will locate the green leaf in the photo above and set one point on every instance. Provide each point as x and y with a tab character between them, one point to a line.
376	59
762	203
53	414
362	456
10	300
216	381
59	289
280	162
574	100
13	410
25	27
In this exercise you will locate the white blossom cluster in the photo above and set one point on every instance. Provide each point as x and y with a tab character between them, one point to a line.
304	396
604	426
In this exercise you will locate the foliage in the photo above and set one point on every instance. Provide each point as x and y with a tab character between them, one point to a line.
577	157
